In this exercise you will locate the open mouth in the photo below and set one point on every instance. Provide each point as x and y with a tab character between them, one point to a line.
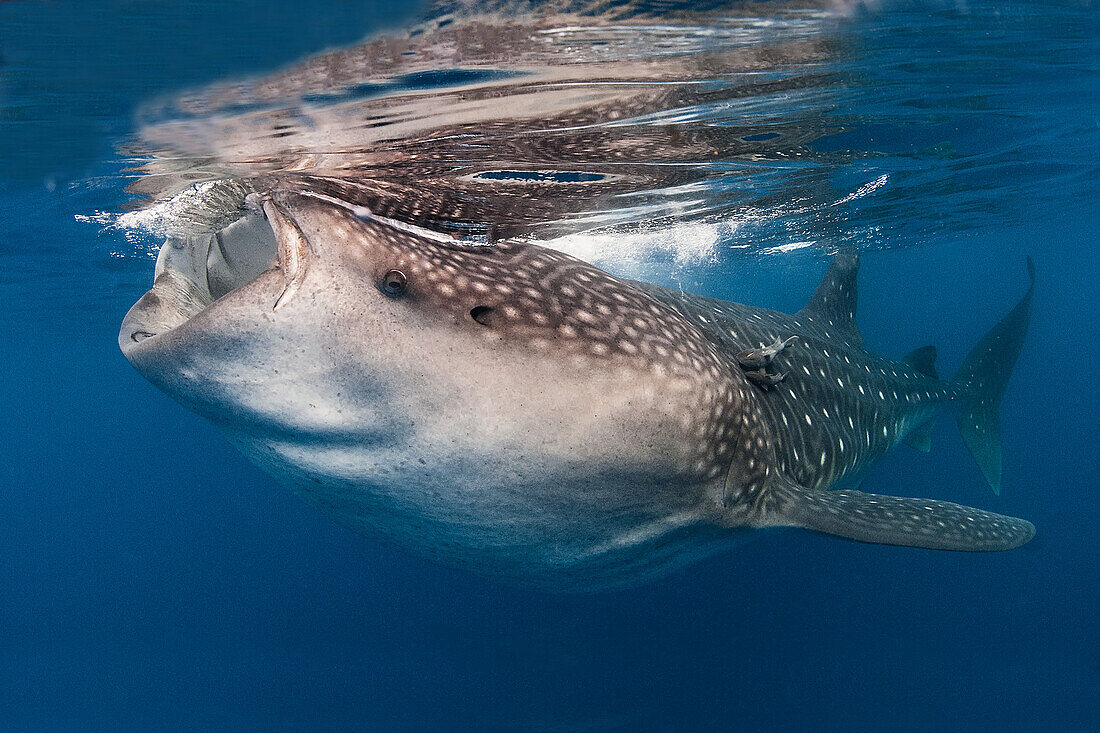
192	272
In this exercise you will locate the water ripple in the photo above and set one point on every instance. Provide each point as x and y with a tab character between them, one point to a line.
742	126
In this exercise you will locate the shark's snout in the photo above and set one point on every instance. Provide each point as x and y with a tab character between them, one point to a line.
170	303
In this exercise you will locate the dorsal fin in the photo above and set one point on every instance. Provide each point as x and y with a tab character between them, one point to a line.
833	304
923	360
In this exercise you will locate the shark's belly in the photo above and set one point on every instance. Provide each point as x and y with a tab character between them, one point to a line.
532	520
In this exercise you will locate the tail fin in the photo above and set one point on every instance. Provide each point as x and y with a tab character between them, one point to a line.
983	377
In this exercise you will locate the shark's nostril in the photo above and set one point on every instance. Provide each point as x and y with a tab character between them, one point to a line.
482	314
137	336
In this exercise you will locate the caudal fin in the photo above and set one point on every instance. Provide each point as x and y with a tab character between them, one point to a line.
983	377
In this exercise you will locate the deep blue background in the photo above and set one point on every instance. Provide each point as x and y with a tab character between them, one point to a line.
150	578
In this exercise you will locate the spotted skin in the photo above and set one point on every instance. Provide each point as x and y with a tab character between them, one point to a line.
517	411
550	303
840	409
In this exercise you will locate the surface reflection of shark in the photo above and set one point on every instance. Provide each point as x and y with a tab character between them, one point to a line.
518	412
500	119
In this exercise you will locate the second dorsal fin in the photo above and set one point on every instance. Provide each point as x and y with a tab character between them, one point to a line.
833	304
923	360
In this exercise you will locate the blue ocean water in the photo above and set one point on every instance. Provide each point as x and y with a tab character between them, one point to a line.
153	579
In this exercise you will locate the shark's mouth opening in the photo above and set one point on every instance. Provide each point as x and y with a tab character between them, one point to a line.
194	271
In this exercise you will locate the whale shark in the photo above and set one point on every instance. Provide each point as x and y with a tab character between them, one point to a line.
512	410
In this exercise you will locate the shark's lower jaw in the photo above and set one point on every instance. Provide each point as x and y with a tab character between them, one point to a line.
194	271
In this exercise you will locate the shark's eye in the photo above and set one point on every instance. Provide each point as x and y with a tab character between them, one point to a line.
394	283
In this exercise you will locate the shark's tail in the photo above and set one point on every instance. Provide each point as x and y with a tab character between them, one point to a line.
982	379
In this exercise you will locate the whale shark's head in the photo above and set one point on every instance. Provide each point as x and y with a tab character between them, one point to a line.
386	369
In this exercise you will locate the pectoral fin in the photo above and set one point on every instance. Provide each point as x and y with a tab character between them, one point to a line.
920	437
895	520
